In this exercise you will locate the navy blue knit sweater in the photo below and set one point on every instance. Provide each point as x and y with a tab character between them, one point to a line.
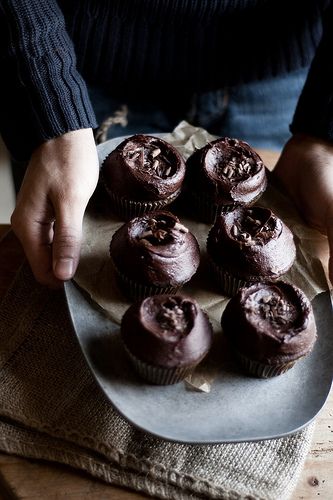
150	47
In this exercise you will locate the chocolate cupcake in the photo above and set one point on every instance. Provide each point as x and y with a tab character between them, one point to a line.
224	174
154	254
166	337
269	326
143	174
249	245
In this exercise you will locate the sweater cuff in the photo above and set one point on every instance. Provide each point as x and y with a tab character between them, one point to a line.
31	116
42	94
53	101
314	111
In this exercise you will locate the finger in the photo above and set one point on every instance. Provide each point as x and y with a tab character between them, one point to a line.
36	238
67	241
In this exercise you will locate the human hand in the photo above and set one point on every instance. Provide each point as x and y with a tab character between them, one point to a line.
61	177
305	169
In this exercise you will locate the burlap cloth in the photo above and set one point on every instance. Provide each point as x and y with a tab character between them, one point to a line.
51	408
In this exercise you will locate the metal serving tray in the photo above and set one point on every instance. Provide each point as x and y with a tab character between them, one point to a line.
238	407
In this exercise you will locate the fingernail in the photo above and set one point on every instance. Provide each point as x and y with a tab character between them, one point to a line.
63	269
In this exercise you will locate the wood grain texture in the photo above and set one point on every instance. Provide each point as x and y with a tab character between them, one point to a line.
35	480
32	480
316	480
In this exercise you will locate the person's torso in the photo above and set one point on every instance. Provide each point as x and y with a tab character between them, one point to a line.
197	45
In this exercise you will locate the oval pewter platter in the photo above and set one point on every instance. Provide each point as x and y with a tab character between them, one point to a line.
238	407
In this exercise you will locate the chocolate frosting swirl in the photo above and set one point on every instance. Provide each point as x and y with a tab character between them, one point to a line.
144	168
167	330
230	170
156	248
270	322
252	243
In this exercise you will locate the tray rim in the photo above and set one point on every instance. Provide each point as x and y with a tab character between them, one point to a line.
111	144
168	437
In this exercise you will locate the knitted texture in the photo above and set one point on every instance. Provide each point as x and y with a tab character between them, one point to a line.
196	45
142	49
51	408
49	96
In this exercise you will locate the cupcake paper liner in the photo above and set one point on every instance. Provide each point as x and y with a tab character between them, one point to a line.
206	209
138	291
157	374
262	370
128	209
229	284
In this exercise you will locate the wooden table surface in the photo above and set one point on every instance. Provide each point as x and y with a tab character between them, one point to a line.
35	480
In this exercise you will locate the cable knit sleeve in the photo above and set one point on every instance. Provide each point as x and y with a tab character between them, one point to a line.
42	94
314	111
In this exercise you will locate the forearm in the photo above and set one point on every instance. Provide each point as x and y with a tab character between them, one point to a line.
42	94
314	112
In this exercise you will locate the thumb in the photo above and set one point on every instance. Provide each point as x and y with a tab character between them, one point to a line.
67	242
